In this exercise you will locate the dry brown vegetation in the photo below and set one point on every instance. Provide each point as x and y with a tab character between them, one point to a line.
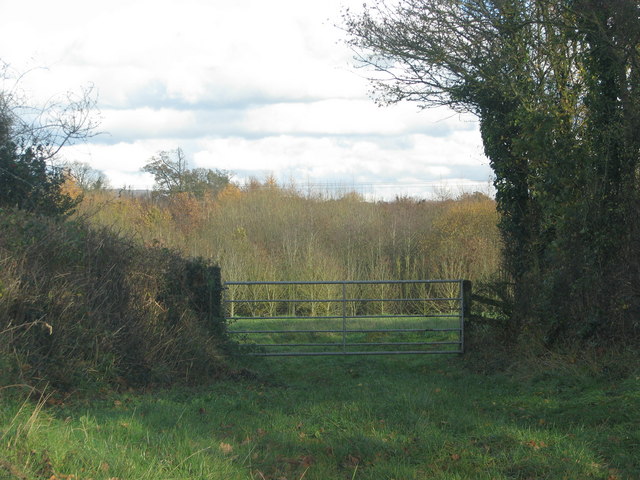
269	232
121	294
82	308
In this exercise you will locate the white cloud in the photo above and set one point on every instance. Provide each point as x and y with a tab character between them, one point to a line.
247	85
329	158
148	123
348	117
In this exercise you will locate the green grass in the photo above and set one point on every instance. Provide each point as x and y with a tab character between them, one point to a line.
421	417
362	334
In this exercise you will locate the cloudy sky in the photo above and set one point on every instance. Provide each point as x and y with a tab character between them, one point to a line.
253	87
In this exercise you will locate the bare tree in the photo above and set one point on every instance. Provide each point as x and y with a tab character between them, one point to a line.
85	176
31	138
168	168
172	175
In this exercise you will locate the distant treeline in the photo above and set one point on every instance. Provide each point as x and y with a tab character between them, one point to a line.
269	232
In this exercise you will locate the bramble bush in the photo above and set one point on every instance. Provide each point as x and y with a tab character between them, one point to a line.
82	308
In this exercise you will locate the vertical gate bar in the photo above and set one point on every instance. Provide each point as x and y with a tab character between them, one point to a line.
461	307
468	301
465	312
344	317
295	295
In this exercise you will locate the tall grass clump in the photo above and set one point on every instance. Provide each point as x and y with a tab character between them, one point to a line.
82	307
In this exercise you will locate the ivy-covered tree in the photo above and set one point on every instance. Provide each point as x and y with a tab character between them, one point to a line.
28	183
555	85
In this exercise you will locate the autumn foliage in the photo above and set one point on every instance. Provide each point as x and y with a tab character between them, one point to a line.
269	232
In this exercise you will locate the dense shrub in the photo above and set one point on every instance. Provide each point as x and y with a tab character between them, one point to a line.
81	307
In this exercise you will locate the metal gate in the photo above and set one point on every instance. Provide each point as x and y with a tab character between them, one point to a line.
348	317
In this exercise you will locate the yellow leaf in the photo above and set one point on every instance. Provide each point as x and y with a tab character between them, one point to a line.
226	448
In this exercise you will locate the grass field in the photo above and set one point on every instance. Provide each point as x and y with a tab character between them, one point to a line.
403	417
362	334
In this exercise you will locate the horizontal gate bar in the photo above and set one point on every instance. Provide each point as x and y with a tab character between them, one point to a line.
346	282
350	317
400	330
318	354
341	300
333	344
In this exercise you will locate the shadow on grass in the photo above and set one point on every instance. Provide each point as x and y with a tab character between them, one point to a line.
375	418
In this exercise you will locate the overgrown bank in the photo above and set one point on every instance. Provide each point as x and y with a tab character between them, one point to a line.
83	308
